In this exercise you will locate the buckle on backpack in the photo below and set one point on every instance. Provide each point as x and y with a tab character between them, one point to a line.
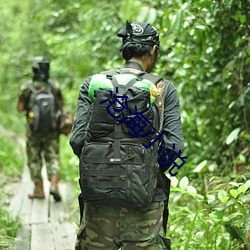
115	160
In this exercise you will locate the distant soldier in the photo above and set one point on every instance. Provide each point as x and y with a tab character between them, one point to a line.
42	101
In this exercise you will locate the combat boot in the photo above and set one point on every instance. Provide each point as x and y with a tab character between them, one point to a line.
38	191
54	179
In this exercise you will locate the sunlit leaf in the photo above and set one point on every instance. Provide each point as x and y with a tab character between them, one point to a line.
233	183
200	167
234	215
174	181
232	136
247	184
210	198
183	183
222	196
192	190
234	192
201	27
242	189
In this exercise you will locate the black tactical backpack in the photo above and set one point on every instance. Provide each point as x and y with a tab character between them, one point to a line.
43	109
117	167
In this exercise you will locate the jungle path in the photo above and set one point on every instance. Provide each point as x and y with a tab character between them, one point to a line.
46	224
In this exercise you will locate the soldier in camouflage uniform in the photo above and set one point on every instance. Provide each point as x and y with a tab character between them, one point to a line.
110	228
113	228
42	145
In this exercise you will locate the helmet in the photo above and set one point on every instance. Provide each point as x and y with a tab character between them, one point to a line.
40	67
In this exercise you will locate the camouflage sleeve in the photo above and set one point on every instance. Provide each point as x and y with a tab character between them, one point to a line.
24	96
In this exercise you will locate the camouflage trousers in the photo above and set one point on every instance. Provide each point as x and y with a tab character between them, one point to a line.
122	228
43	149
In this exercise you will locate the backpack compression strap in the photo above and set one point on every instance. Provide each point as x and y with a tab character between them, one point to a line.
118	134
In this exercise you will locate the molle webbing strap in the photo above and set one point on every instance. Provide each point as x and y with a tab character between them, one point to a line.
105	160
105	172
107	185
117	144
117	141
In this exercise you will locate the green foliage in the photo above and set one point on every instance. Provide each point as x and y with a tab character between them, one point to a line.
218	219
11	165
11	156
205	52
9	225
8	229
203	56
69	163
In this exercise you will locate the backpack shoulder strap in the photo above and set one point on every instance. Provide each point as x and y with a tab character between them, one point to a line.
52	86
54	91
35	91
109	73
123	88
153	78
32	88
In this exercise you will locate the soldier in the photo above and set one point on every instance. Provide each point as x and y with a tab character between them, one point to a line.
42	131
112	226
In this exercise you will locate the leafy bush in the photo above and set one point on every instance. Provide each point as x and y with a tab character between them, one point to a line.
8	229
69	162
11	156
218	219
11	166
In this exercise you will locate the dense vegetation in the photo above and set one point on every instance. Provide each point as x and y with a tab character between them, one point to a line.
205	52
